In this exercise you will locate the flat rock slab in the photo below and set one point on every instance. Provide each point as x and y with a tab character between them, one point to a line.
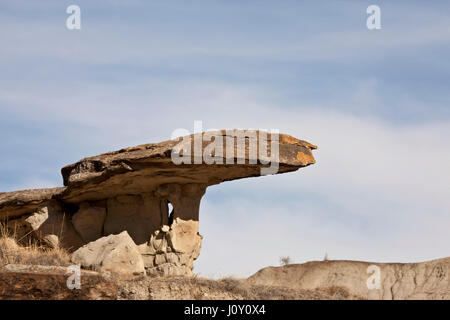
38	269
140	169
16	203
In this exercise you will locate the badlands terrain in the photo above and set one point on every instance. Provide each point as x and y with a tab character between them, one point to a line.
33	273
112	221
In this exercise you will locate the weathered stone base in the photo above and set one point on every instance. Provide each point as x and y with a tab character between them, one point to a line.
172	250
168	242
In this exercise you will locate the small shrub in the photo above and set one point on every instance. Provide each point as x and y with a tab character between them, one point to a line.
284	261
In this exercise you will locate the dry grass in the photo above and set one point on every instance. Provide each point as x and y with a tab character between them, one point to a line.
143	287
249	291
236	286
196	288
32	253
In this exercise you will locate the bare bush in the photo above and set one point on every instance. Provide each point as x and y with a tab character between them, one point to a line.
284	261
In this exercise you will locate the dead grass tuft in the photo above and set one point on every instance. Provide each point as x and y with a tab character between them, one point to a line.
237	286
31	254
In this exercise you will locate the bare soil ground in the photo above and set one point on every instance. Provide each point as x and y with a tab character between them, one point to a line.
34	282
36	272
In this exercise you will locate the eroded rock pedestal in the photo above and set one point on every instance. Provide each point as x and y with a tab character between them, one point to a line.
172	250
142	191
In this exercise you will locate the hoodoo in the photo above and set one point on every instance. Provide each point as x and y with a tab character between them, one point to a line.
131	189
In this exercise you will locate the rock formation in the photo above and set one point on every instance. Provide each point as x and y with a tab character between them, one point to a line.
114	253
428	280
131	189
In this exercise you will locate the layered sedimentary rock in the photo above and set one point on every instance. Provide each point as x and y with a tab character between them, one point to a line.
131	190
16	203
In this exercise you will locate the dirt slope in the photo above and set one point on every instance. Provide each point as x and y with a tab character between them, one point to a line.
425	280
341	280
49	283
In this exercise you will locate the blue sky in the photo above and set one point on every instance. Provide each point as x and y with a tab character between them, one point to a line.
376	103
